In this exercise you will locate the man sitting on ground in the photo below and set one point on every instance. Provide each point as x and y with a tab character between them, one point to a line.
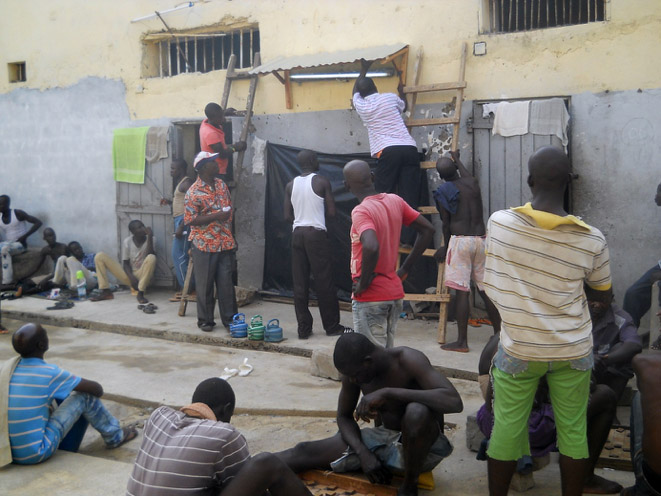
404	395
139	262
53	248
195	450
459	201
66	268
14	233
34	431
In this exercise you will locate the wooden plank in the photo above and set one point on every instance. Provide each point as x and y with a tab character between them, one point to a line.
459	99
496	173
423	88
481	143
183	303
443	298
443	308
344	305
353	482
416	79
430	164
228	81
431	122
427	210
429	252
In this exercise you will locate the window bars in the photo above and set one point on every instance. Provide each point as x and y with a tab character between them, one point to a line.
507	16
185	53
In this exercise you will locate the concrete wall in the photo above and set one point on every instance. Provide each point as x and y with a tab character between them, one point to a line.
56	156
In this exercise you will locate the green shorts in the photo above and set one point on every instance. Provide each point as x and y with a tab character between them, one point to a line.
513	399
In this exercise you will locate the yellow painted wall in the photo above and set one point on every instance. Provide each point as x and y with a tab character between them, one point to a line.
67	40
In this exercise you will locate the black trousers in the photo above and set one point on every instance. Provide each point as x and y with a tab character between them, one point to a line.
398	171
214	268
311	252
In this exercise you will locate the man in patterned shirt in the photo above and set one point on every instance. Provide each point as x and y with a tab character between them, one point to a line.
208	211
196	451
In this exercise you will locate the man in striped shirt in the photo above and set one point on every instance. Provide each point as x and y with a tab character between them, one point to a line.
34	431
538	258
398	162
196	451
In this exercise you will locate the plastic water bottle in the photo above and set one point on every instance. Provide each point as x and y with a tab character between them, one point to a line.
82	285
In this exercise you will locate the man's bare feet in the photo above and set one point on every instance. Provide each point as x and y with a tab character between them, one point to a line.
105	294
598	485
456	346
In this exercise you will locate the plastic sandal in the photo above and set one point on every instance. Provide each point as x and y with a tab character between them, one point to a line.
245	368
227	373
61	305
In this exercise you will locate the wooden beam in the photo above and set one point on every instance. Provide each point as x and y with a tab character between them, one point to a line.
404	51
460	99
288	101
278	76
434	87
442	298
427	253
427	210
428	165
351	482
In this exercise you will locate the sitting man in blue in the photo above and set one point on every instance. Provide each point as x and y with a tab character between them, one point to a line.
35	430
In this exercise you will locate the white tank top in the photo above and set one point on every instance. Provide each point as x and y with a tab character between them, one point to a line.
14	230
308	205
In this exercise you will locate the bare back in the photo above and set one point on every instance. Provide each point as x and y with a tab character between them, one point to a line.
468	220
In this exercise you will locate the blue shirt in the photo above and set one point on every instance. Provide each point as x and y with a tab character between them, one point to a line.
32	387
88	261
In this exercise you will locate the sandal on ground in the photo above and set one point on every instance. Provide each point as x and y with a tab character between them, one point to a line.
61	305
4	330
245	368
130	432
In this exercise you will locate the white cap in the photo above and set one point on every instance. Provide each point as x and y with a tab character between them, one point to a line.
202	158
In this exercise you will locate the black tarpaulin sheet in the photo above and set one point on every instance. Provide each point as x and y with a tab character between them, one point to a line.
282	167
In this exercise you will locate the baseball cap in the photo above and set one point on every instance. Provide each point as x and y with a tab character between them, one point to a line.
202	158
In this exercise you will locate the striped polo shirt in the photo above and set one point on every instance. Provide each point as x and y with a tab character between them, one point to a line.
182	455
536	265
32	387
382	115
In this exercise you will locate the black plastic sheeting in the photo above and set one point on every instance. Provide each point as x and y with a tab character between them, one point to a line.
282	167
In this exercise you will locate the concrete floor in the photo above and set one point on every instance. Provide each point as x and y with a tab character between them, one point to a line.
145	360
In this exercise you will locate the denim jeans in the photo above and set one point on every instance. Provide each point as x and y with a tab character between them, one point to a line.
180	247
377	320
67	414
7	249
642	487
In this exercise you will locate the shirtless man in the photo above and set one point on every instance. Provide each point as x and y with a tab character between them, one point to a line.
404	395
646	427
459	201
14	234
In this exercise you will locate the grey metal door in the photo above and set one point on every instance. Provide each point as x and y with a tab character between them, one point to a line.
143	202
501	164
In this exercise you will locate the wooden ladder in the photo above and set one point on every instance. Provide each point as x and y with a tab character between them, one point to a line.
442	296
232	75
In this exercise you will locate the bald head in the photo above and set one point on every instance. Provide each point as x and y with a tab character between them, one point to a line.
548	169
30	341
307	159
365	86
357	176
446	168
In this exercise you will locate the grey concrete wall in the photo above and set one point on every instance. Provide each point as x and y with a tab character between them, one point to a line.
56	157
616	150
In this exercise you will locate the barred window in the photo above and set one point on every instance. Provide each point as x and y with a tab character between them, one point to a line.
507	16
180	53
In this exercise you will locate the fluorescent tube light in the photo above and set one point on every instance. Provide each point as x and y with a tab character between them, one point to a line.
337	75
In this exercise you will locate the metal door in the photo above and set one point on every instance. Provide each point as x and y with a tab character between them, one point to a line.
501	164
143	202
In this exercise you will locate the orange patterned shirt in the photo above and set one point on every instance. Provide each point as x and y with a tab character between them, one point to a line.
202	200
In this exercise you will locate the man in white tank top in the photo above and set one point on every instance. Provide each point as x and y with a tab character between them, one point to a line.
308	198
14	233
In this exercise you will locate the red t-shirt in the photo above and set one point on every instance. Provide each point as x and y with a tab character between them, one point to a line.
210	135
384	214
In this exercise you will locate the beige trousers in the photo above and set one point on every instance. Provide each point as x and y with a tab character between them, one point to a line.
105	263
65	273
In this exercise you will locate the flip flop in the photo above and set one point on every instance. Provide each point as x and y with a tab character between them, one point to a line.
130	432
148	309
61	305
245	368
227	373
474	323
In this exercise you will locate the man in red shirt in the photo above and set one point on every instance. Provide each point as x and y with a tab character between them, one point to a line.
375	229
212	137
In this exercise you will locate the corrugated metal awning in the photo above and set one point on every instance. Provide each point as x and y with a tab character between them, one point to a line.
328	58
